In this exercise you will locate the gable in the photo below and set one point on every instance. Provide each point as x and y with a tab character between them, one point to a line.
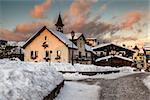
60	36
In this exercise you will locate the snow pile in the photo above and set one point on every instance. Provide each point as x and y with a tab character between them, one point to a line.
126	69
27	81
147	81
79	91
14	43
123	72
88	68
77	76
63	67
80	67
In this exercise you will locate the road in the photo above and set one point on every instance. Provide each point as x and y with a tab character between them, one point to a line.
129	87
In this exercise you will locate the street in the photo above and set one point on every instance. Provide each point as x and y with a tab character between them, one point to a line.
130	87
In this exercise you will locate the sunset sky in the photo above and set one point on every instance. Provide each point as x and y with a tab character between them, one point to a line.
120	21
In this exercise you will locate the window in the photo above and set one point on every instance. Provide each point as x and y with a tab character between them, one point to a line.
58	55
45	37
34	54
134	57
86	55
46	53
79	54
140	57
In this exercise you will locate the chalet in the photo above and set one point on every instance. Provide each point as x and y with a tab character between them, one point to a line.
55	46
147	53
48	45
11	49
110	54
139	57
84	53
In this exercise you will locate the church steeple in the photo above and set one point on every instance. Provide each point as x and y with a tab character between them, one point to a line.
59	25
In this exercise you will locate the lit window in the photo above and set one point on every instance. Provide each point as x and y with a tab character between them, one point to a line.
58	53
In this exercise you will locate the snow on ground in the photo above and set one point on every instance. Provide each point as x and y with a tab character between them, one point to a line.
77	76
123	72
147	81
78	91
27	81
84	68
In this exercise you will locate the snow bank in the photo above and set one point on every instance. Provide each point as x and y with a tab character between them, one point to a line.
147	81
77	76
27	81
123	72
79	91
87	68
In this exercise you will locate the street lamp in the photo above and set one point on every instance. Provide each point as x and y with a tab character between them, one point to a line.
72	35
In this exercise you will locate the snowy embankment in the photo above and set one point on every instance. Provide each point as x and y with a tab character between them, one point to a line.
147	81
78	91
91	68
87	68
27	81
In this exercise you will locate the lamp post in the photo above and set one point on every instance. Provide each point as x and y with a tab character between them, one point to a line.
72	35
50	56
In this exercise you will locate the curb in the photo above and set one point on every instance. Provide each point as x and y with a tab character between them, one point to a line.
55	92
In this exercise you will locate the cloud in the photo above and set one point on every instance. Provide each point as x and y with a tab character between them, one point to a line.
30	27
78	13
77	19
6	34
39	10
23	31
130	19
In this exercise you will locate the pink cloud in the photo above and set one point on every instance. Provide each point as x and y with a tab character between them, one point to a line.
39	10
130	19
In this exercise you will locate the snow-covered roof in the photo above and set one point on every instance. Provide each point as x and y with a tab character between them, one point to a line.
106	44
14	43
62	37
103	58
91	38
77	35
111	56
88	48
147	46
59	35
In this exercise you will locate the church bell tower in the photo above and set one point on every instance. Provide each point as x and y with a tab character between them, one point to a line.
59	25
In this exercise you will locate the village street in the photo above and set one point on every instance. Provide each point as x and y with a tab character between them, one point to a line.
130	87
